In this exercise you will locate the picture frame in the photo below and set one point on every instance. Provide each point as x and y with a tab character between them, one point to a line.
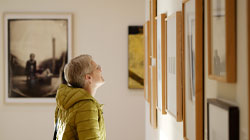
161	63
37	47
136	56
223	120
222	40
193	104
147	78
145	61
248	20
174	66
153	106
149	61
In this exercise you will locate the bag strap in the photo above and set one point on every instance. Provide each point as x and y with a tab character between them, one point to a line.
55	132
56	117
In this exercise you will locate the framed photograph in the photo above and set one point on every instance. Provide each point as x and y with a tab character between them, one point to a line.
222	120
161	64
135	57
37	48
193	48
222	40
174	65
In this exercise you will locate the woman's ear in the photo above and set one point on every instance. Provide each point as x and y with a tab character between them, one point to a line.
88	78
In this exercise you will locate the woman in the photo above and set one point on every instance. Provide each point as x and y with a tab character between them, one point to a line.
78	115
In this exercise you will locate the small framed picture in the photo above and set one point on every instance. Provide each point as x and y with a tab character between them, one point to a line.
174	66
135	57
37	48
193	65
161	64
222	120
222	40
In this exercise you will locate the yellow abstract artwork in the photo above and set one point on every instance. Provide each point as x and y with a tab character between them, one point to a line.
136	60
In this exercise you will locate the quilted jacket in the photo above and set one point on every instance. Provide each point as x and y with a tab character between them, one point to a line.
79	116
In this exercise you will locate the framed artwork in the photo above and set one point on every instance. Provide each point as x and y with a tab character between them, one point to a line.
222	40
153	106
37	48
223	120
161	64
174	65
136	57
193	90
188	9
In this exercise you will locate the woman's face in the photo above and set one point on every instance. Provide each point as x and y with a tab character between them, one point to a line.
97	78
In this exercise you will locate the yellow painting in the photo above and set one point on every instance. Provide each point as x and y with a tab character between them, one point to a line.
136	57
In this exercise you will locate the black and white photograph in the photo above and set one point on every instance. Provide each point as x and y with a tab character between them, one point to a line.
38	47
223	120
218	40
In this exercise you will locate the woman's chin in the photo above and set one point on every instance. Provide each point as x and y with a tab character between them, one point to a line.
99	84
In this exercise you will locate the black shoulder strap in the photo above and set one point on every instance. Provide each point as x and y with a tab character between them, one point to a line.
56	118
55	132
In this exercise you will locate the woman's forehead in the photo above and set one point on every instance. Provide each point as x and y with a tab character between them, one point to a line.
93	63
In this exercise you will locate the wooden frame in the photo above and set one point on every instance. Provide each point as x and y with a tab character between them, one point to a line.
223	66
174	61
36	80
166	65
145	61
227	115
184	86
161	66
145	32
148	63
153	106
199	70
248	19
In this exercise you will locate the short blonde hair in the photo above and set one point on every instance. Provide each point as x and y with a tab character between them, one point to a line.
76	69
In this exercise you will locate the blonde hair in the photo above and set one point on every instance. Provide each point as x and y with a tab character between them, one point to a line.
76	69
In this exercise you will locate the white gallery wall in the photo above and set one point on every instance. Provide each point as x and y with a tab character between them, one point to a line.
100	28
237	93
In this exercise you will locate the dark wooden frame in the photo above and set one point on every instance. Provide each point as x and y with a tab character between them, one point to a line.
199	70
230	43
26	16
233	117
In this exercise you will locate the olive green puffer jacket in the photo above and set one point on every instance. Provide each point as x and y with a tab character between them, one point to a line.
79	115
